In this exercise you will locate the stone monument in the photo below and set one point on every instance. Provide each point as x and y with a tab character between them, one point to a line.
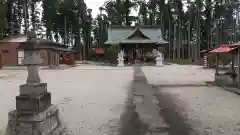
34	114
120	59
159	59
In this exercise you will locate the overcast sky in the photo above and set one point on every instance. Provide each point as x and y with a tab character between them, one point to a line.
94	5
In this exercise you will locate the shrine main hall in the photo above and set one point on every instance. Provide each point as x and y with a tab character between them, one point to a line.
138	42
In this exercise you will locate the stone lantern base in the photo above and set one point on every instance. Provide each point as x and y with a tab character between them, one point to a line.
43	123
34	114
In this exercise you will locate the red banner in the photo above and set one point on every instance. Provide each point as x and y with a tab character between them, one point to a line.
99	51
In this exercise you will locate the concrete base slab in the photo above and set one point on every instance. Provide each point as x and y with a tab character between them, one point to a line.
44	123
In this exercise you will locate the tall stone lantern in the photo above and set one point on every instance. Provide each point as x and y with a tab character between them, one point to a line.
34	114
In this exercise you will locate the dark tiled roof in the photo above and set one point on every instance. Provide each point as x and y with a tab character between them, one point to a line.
133	27
236	44
41	42
119	35
36	43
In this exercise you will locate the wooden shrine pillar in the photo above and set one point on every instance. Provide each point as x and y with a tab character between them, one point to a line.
234	77
217	64
238	57
233	63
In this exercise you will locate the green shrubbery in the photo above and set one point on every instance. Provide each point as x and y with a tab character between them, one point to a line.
96	57
111	53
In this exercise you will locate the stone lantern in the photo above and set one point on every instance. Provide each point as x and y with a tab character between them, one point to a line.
34	114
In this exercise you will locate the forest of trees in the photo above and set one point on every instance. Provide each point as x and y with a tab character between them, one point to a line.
188	25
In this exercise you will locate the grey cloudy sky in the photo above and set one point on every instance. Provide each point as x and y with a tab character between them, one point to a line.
94	5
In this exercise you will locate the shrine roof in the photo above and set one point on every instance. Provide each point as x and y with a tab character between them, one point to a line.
139	34
222	49
24	38
41	42
237	44
45	44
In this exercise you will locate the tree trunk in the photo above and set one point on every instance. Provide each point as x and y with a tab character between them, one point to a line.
33	16
19	22
119	21
189	40
169	40
25	16
197	56
48	34
174	41
179	42
65	30
10	16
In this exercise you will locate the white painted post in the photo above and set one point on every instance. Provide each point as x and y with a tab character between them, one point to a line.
205	62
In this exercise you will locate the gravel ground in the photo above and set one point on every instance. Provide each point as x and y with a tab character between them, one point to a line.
178	75
105	100
194	109
91	99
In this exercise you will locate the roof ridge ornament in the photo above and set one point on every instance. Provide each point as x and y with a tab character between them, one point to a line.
137	29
